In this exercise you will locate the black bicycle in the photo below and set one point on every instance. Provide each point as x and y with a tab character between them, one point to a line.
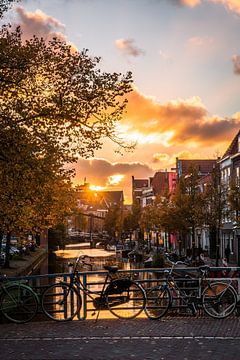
123	297
218	299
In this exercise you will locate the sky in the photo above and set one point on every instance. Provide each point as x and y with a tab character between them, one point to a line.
185	60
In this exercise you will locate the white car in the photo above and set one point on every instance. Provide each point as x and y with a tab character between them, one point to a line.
12	251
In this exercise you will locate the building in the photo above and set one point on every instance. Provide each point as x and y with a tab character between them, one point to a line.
93	206
230	173
203	166
138	186
145	191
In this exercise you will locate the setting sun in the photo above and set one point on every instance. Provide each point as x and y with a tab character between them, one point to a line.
96	188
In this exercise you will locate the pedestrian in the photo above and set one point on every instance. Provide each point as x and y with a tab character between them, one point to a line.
227	252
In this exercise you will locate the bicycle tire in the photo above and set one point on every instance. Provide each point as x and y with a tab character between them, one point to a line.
134	300
219	300
19	303
61	302
158	302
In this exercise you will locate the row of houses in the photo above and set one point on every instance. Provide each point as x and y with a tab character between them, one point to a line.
145	191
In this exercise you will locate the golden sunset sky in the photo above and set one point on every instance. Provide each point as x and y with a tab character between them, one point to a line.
185	60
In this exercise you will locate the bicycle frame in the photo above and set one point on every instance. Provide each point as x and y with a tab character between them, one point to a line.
99	303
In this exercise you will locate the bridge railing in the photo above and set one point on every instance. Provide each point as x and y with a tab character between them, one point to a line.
94	280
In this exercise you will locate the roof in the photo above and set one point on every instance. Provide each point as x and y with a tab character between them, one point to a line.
140	183
103	199
203	166
233	147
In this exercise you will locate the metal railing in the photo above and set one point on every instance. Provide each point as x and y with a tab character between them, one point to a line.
144	276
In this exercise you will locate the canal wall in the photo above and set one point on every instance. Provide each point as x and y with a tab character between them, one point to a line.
27	265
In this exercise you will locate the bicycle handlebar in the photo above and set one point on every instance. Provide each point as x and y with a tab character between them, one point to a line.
80	259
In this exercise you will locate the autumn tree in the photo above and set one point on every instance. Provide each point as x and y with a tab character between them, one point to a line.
131	220
55	105
216	208
114	221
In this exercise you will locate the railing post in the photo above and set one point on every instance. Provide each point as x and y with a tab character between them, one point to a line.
84	275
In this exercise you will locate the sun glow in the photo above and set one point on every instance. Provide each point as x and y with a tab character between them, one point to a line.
115	179
96	188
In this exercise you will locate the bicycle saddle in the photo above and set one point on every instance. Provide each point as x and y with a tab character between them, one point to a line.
111	269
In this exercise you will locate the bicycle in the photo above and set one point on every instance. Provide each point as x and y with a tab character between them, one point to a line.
218	299
123	297
18	302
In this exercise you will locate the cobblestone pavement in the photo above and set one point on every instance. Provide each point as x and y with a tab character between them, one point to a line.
171	338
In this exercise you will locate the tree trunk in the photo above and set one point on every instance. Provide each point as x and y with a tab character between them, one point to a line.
7	259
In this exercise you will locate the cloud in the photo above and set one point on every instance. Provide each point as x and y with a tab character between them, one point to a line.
175	122
191	3
232	5
236	64
200	41
100	172
169	160
40	24
127	47
160	157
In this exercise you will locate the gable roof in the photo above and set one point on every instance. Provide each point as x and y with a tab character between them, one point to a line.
233	147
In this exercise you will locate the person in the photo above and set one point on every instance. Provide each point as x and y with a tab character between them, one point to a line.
201	259
227	253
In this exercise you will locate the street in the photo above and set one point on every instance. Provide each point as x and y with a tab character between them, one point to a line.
171	338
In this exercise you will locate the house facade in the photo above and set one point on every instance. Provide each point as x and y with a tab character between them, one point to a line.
229	176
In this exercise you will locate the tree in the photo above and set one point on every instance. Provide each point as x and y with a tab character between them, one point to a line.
215	196
113	221
55	105
61	94
35	192
183	212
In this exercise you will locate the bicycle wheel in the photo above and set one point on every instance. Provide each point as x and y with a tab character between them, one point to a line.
19	303
61	302
219	300
158	302
127	302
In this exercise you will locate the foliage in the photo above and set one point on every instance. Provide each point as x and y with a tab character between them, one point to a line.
131	220
55	105
59	93
113	221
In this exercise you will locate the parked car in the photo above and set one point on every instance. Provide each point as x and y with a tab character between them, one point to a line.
12	250
111	247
